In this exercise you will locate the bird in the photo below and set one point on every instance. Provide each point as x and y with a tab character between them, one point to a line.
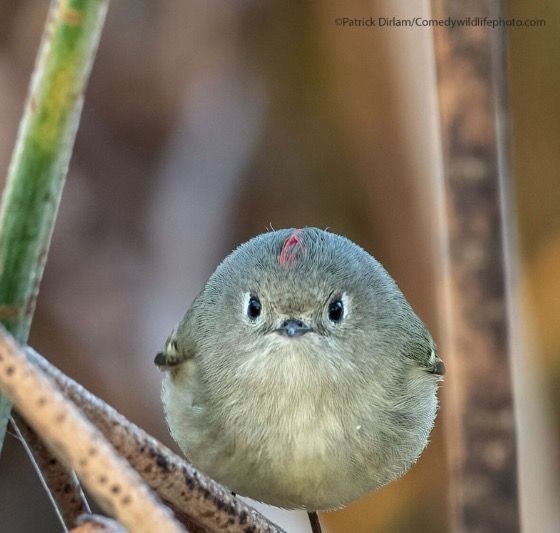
300	376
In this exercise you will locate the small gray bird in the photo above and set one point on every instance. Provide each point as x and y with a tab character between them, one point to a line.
300	376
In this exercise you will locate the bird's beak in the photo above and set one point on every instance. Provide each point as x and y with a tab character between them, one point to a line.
293	328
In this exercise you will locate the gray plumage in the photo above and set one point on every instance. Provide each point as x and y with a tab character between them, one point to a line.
314	416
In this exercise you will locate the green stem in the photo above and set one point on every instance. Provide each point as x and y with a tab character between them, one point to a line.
40	159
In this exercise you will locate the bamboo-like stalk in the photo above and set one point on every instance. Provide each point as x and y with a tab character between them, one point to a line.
40	159
479	401
34	186
117	488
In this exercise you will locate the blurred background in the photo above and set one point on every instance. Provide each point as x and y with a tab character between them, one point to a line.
206	122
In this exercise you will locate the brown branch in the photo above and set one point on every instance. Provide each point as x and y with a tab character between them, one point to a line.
116	487
480	416
186	490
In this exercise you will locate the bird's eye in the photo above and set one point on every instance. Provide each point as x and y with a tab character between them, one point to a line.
336	310
253	308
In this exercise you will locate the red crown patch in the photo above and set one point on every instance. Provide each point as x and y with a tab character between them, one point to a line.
291	248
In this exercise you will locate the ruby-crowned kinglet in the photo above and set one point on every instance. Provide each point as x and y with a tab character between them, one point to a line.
300	376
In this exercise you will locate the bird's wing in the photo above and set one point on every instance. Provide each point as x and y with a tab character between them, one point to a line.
435	364
173	354
422	350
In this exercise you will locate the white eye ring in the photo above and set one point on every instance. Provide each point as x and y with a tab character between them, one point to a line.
347	302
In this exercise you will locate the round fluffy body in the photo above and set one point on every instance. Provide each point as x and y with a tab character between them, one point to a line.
313	420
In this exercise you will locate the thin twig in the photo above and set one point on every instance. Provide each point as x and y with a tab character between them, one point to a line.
64	485
116	487
15	430
177	482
